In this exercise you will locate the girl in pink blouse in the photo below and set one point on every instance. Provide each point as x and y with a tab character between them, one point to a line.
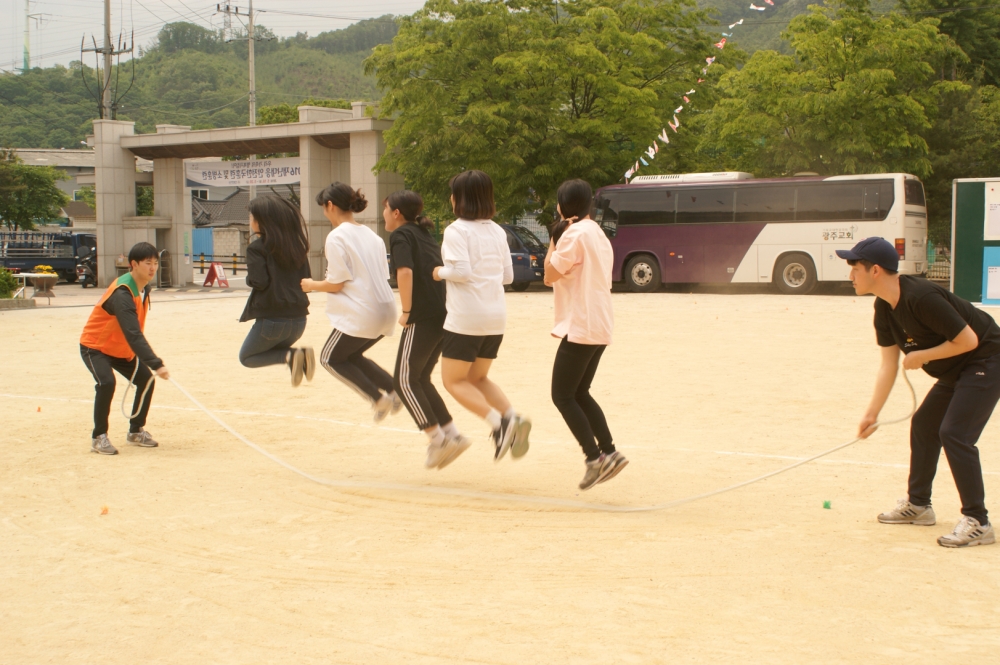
578	267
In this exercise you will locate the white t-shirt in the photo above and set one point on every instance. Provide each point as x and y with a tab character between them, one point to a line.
477	264
365	307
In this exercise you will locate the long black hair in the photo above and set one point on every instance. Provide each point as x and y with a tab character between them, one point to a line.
282	229
343	196
575	198
410	205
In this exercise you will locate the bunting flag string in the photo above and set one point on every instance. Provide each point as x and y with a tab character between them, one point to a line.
664	138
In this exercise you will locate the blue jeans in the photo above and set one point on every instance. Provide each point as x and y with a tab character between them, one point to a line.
269	340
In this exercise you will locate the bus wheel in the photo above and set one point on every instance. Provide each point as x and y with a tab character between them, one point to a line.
795	274
520	286
642	274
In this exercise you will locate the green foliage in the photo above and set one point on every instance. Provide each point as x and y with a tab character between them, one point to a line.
532	92
278	114
28	193
7	283
858	96
975	26
88	195
361	36
144	201
176	37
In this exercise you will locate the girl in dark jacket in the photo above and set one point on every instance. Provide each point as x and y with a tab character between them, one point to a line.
277	261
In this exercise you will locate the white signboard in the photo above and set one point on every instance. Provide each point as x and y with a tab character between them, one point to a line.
992	230
281	171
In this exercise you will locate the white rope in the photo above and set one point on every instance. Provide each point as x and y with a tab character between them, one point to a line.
535	500
145	391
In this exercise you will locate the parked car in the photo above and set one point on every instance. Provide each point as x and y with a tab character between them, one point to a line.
528	255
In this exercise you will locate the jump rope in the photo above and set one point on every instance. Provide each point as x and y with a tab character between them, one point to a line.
500	496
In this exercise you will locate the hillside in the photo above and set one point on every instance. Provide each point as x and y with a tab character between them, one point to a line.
190	76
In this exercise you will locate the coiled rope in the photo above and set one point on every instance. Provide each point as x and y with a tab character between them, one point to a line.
532	500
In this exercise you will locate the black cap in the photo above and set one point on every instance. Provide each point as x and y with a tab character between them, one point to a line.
874	250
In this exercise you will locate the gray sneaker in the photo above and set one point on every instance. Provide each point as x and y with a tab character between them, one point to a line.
435	453
453	448
381	408
397	403
613	465
593	474
103	446
908	513
309	363
296	365
968	533
141	438
519	448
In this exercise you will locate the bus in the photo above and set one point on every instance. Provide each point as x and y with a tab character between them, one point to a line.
722	228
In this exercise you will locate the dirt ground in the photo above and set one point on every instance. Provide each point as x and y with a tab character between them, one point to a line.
211	553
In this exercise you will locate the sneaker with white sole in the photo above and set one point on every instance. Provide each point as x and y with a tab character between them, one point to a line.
519	448
454	447
503	437
381	408
102	445
613	465
968	533
436	452
908	513
593	473
295	364
309	363
397	403
142	438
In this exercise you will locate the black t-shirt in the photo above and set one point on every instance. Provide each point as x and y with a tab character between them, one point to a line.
928	315
414	248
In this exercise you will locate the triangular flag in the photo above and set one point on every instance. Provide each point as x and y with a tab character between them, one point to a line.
727	34
690	92
720	44
701	80
628	174
740	22
650	153
644	162
677	123
770	2
663	136
760	9
678	109
656	148
672	126
636	167
704	70
710	60
686	100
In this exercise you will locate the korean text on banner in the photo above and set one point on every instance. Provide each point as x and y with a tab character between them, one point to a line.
280	171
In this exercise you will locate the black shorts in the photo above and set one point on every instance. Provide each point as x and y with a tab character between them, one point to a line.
469	347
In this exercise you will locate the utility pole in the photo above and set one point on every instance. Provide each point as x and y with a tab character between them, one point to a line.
107	106
27	37
227	10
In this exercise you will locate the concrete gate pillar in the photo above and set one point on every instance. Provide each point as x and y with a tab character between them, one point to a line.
172	199
366	149
319	166
114	180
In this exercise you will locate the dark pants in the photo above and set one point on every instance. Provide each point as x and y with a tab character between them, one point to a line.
101	366
572	374
268	341
342	357
953	417
419	350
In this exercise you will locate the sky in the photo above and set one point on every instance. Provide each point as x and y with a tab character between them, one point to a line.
58	26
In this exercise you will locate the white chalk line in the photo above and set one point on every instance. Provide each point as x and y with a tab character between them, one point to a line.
506	497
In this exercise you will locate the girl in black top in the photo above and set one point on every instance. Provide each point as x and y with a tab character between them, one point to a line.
415	254
277	261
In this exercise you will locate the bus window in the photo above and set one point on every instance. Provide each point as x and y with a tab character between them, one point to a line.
879	197
914	191
765	204
705	206
833	201
650	206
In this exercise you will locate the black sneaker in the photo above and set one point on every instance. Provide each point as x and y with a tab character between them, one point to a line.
503	437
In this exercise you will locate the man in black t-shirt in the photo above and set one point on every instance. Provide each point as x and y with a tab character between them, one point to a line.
958	345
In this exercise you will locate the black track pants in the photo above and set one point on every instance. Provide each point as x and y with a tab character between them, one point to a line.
953	417
419	350
572	374
342	357
103	368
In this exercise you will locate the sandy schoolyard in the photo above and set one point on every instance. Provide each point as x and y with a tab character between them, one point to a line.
212	553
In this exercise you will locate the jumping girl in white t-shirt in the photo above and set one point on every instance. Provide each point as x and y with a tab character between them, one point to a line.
360	303
477	265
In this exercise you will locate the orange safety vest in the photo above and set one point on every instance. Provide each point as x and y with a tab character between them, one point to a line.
102	331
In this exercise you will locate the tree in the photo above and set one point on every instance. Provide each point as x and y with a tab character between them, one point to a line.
28	193
532	92
858	96
283	113
974	25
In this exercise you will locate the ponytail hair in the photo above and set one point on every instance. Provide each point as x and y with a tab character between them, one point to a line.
282	229
575	198
343	196
410	205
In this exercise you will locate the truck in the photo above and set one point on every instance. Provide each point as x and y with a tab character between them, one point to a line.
22	251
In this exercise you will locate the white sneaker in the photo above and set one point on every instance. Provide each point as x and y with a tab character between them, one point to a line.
453	448
381	408
519	448
968	533
436	452
908	513
397	403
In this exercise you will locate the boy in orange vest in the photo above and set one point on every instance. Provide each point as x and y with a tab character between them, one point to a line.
113	340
